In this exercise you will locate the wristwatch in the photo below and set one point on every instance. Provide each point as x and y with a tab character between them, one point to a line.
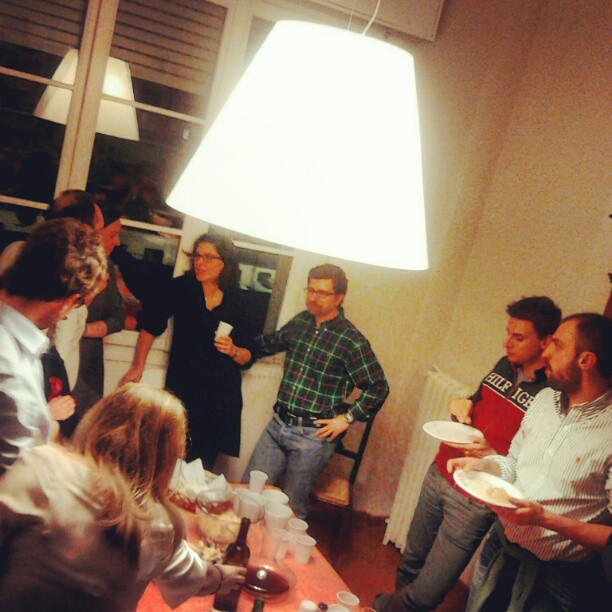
349	418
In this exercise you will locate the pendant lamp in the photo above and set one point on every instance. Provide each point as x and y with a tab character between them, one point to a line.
318	148
114	118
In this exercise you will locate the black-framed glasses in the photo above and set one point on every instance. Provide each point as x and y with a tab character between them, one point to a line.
206	257
310	292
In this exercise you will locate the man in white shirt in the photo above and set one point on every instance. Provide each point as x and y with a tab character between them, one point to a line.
61	263
542	554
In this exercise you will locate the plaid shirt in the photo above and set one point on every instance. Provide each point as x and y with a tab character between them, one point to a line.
322	366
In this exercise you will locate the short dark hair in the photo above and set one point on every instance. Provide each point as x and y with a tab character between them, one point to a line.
594	335
83	211
336	274
540	310
230	275
110	213
60	258
68	198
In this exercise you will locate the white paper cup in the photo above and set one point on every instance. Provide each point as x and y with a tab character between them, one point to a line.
277	497
251	505
296	528
337	608
236	504
348	600
224	329
303	549
257	481
277	516
307	606
283	547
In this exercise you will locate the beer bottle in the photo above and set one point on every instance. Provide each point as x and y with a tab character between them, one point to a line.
237	554
258	605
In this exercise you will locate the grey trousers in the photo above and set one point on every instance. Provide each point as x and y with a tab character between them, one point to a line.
446	529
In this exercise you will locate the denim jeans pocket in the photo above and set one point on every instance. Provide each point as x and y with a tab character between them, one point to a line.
310	433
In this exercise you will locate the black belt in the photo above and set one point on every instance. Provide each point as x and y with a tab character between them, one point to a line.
294	420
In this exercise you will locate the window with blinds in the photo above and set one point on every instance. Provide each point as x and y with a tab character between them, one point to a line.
51	26
173	43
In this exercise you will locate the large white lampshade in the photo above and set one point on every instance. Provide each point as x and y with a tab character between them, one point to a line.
114	118
317	148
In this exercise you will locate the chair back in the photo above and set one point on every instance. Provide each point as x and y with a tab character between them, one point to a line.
357	455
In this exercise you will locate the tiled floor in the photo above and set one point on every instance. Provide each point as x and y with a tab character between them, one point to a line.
363	562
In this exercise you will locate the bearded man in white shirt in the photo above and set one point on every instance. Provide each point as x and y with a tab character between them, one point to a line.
543	553
60	265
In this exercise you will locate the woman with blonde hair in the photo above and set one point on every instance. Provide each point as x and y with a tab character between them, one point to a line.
88	527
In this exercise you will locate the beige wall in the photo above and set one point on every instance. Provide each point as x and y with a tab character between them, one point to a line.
514	122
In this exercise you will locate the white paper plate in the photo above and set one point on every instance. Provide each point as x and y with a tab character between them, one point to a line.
479	485
449	431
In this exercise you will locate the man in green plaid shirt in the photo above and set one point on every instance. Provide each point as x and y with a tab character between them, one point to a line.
327	357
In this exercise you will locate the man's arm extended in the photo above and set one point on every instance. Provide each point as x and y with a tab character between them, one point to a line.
528	512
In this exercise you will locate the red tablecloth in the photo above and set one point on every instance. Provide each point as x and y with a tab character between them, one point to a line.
317	581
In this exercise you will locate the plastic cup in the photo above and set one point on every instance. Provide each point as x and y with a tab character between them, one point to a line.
272	539
257	481
224	329
303	549
277	515
296	528
348	600
283	546
277	497
307	606
251	505
337	608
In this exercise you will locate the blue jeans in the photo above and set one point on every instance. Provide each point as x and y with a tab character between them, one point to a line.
564	586
297	452
445	531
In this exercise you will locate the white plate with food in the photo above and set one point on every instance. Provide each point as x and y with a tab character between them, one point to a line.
487	488
449	431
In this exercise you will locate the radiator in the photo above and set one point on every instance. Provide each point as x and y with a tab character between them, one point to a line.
440	389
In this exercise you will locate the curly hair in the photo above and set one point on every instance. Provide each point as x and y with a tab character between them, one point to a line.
60	258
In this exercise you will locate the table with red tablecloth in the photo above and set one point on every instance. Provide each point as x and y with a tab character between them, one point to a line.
317	580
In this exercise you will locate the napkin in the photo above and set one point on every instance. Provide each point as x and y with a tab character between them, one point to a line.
191	480
218	490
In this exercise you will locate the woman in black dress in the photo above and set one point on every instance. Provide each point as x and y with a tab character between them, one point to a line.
204	367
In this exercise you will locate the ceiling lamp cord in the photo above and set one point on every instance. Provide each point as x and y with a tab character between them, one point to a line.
365	31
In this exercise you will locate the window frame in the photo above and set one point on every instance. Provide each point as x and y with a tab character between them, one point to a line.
96	41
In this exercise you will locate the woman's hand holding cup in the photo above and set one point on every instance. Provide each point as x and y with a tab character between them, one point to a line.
223	342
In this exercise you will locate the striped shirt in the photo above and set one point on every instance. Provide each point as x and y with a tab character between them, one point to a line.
322	366
564	462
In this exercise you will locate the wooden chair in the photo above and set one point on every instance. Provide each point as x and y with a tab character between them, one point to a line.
333	493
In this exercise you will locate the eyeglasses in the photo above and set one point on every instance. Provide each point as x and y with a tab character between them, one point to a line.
206	257
319	294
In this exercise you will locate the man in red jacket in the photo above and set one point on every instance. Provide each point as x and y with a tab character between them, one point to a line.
447	525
